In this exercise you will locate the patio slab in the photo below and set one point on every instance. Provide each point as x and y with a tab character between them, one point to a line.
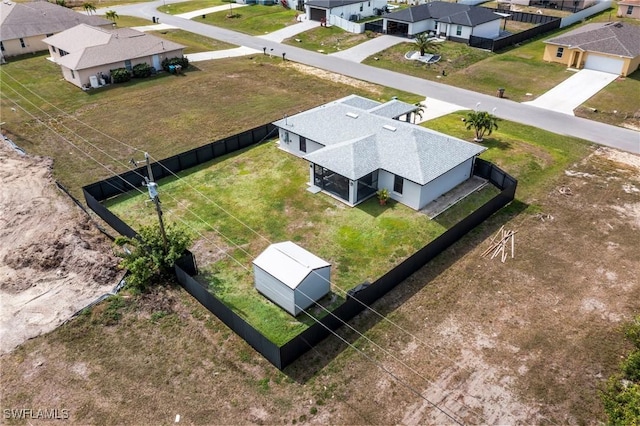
443	202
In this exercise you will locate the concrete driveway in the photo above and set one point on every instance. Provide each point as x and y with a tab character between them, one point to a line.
363	50
574	91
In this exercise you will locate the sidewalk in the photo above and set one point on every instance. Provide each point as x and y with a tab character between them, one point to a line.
191	15
219	54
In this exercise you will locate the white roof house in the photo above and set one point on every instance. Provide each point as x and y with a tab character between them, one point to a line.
84	50
291	277
356	146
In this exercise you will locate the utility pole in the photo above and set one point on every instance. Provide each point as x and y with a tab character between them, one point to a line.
153	195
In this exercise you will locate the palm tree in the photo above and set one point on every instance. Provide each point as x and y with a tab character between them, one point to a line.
111	15
423	42
89	8
482	123
418	112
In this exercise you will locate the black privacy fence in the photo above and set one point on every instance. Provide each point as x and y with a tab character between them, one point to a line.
359	299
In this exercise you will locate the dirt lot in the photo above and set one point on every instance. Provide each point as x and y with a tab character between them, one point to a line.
52	260
528	341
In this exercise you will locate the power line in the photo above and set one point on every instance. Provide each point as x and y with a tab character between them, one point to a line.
241	222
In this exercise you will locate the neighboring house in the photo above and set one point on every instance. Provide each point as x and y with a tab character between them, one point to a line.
23	26
629	9
84	51
356	146
291	277
317	10
612	47
454	21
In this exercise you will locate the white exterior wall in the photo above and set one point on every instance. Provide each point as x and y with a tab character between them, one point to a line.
315	286
444	183
32	44
486	30
368	7
579	16
465	32
274	290
422	26
349	26
293	147
410	190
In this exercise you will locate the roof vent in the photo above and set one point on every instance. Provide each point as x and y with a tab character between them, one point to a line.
390	128
352	115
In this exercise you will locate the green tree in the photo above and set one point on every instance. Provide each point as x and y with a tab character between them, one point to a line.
89	8
418	112
145	256
482	123
621	397
424	43
112	15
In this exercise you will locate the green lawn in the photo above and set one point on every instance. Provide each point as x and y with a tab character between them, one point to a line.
190	6
124	21
327	39
254	20
533	156
263	193
163	115
194	42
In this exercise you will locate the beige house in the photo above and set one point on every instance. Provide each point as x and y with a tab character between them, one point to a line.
611	47
85	51
629	9
23	26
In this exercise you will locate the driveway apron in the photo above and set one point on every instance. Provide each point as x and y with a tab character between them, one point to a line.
574	91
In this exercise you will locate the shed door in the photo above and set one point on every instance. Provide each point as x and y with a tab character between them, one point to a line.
317	14
604	64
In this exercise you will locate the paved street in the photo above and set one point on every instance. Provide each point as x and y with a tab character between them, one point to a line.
613	136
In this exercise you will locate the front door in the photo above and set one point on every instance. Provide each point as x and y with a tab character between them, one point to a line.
156	62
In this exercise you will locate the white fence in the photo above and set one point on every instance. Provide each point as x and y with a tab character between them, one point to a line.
352	27
579	16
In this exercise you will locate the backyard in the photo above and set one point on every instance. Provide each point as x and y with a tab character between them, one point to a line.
263	191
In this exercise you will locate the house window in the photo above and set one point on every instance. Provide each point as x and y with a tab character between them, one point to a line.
49	35
398	183
369	4
53	49
361	6
1	47
22	43
127	65
459	30
63	52
559	52
303	144
285	137
73	75
629	10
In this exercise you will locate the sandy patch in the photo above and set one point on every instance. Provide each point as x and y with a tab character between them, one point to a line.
53	261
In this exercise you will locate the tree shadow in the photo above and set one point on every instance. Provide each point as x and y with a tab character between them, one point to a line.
496	143
322	354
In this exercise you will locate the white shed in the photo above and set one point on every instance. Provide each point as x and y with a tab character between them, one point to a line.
291	277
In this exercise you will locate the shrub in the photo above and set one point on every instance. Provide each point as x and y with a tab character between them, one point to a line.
146	258
141	70
120	75
183	62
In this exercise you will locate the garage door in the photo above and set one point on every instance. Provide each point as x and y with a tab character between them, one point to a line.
604	63
317	14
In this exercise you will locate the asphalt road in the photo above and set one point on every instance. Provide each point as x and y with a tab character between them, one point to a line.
563	124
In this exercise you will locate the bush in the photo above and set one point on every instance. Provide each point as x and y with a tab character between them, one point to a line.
141	70
120	75
145	256
183	62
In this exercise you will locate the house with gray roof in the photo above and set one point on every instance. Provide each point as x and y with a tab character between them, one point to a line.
356	146
318	10
24	26
612	47
454	21
85	51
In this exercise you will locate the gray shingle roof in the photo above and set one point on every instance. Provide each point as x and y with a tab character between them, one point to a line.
356	146
614	38
453	13
393	109
20	20
328	4
91	46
